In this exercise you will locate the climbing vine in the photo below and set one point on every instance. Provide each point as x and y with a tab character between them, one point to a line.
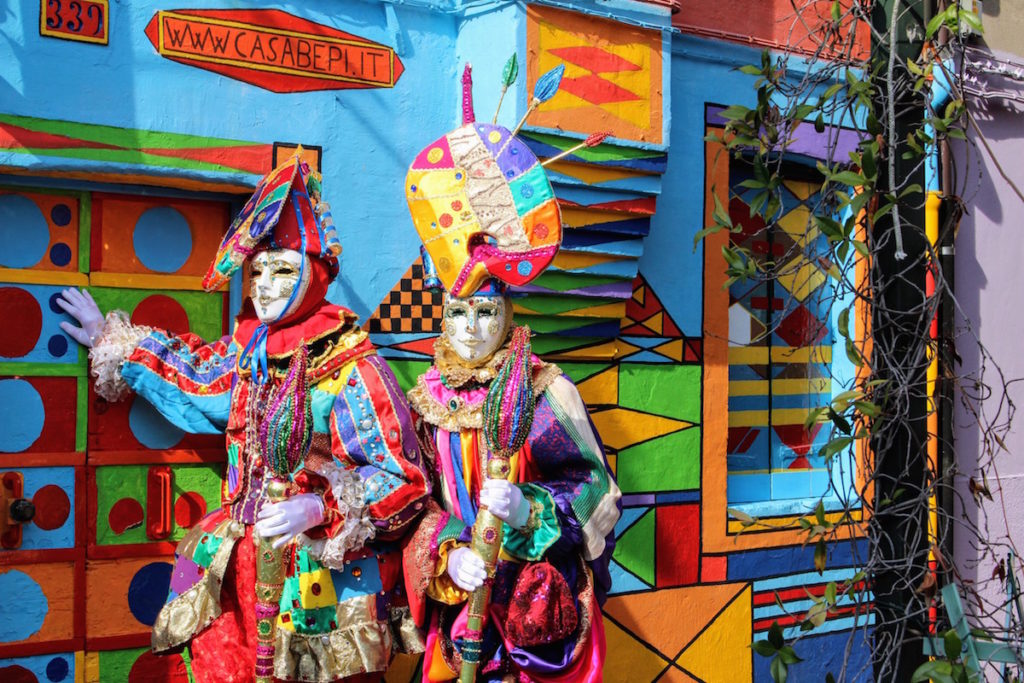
884	231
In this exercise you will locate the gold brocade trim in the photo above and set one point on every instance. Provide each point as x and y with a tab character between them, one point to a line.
361	645
436	413
195	609
464	415
418	555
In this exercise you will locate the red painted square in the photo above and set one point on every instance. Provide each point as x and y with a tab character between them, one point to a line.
714	568
111	428
677	545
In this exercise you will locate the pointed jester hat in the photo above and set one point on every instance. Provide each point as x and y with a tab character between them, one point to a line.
481	200
285	212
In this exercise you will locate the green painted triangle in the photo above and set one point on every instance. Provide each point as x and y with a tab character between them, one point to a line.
562	281
578	372
554	304
602	152
545	324
634	549
129	138
407	371
668	463
662	389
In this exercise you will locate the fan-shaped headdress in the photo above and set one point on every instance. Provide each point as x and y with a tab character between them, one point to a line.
481	200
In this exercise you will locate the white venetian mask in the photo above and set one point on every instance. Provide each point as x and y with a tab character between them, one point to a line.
476	326
273	276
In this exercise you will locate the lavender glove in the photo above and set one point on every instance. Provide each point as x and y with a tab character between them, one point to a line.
290	517
80	306
506	502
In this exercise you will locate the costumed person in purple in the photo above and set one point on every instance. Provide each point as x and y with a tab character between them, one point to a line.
507	569
293	577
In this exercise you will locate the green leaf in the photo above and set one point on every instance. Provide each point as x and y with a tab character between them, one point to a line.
861	248
813	416
763	648
819	124
720	214
841	423
820	557
818	613
849	395
835	11
779	670
830	592
710	230
843	324
868	408
511	71
937	670
849	178
972	20
853	354
831	91
934	24
829	227
835	446
951	642
802	111
735	112
775	635
750	69
867	163
788	655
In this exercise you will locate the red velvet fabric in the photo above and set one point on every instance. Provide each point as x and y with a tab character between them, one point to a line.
541	610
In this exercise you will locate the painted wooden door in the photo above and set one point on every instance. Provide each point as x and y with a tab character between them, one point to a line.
113	485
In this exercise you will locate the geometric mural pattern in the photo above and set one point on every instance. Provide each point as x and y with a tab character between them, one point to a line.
780	348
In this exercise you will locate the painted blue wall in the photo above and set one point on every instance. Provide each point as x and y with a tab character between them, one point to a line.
368	136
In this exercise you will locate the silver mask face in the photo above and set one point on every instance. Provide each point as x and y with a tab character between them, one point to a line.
476	326
273	276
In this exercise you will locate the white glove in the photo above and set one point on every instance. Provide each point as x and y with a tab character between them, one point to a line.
290	517
506	502
466	569
80	306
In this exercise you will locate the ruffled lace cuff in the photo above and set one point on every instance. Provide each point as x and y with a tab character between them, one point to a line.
116	343
357	528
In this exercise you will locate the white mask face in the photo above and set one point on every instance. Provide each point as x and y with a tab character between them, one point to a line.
476	326
273	276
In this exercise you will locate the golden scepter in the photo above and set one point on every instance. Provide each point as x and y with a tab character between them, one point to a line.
508	416
285	435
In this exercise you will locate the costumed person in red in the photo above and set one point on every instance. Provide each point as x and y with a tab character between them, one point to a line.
507	569
295	577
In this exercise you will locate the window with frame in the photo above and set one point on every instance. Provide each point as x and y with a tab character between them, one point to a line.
784	355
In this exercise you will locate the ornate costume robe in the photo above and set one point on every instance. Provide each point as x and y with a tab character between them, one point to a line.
342	611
